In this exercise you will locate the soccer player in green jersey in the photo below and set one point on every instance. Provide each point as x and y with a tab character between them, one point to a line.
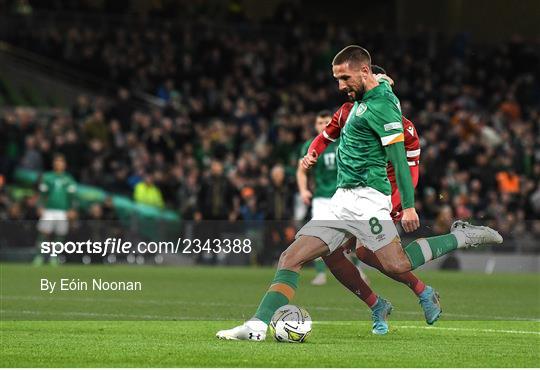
57	189
325	184
372	136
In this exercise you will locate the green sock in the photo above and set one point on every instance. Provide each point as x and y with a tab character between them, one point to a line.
320	266
355	260
38	257
426	249
279	294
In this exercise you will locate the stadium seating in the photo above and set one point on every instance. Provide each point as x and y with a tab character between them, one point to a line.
248	102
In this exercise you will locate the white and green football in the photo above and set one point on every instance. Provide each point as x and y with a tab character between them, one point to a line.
290	324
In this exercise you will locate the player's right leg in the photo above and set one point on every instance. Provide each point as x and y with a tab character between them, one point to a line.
39	259
282	289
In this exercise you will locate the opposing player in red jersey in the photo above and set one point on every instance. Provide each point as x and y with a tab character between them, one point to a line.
341	267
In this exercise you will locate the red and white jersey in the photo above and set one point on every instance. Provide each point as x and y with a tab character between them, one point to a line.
333	128
412	141
412	147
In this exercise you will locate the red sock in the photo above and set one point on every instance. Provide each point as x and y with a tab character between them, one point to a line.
407	278
348	275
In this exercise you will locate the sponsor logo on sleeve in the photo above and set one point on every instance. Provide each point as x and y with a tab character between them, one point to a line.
392	126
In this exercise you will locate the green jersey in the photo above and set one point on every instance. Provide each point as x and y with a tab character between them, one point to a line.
373	123
325	170
58	190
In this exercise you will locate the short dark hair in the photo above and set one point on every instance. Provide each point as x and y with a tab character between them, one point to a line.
352	54
324	113
377	69
59	157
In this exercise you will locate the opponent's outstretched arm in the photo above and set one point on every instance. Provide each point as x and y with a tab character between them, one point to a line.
330	134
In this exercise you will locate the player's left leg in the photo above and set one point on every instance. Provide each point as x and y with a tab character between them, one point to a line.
349	276
282	289
428	297
39	259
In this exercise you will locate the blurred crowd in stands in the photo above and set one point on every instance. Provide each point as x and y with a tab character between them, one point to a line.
240	99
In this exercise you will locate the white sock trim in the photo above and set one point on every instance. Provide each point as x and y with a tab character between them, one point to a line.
426	250
460	237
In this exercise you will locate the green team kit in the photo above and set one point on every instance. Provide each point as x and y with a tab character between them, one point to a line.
373	125
324	171
362	160
325	175
361	206
58	190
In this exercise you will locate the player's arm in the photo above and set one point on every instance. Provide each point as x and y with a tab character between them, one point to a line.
43	188
383	78
330	134
72	191
389	128
397	156
302	181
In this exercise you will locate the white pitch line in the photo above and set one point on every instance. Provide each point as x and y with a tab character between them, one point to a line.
468	329
166	302
112	315
502	331
106	314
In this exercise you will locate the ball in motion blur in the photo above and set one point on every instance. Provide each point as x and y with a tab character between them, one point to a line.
290	324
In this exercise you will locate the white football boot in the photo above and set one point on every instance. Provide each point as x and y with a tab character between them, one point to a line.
474	236
250	330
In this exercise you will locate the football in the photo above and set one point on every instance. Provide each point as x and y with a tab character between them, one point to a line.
290	324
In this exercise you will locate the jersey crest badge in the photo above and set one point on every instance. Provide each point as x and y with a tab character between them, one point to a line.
362	108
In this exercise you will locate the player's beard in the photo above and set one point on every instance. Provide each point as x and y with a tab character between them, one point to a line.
358	94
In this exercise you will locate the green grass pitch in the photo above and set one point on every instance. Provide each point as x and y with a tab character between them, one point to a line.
488	321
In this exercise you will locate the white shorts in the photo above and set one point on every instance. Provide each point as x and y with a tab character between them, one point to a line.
320	209
361	212
53	221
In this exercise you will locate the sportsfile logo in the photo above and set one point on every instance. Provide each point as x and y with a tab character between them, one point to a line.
120	246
